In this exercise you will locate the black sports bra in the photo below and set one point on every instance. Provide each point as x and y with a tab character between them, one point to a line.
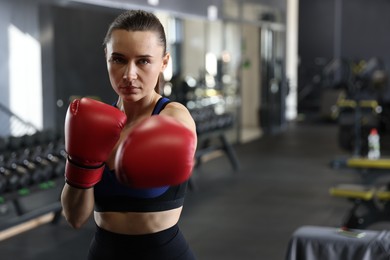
111	195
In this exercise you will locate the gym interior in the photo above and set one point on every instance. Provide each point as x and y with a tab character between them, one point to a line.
292	106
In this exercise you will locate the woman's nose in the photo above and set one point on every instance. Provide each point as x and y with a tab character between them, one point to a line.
130	72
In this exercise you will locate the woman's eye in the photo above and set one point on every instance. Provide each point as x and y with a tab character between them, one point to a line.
118	60
144	61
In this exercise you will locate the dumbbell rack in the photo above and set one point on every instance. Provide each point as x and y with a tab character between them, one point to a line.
211	128
30	182
28	203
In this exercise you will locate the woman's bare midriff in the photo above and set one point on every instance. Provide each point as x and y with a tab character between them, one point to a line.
137	223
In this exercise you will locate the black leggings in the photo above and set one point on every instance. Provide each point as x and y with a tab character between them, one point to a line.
166	244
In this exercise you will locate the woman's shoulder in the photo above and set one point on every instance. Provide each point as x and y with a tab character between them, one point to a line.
177	105
180	113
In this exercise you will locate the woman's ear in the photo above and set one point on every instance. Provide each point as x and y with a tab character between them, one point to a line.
166	58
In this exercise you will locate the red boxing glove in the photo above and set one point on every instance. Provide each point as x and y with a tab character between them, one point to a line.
159	151
92	129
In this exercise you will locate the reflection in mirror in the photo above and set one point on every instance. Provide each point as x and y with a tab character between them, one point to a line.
205	60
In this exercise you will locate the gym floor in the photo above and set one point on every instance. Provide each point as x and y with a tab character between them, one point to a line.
282	184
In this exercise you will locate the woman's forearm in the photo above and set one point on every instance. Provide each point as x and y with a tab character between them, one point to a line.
77	205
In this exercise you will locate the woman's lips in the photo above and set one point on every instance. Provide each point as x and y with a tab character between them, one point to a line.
129	89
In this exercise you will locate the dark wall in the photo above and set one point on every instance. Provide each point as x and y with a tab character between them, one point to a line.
80	67
316	29
348	29
316	38
365	29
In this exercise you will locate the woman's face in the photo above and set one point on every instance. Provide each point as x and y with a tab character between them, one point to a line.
135	60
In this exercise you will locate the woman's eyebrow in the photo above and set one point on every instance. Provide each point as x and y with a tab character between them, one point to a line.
117	54
145	56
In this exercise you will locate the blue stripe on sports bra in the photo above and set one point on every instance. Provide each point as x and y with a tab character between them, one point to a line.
112	187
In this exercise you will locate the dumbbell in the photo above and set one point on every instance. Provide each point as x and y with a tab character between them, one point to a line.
36	171
225	120
3	183
3	175
59	169
10	181
12	164
43	161
23	175
54	157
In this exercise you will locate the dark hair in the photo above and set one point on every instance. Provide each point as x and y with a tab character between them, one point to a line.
137	20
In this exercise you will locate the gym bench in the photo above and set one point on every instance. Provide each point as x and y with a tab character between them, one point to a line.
369	169
370	204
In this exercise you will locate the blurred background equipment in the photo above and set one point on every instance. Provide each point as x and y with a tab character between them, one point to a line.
31	176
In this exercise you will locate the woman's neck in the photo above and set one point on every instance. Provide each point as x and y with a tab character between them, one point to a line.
140	109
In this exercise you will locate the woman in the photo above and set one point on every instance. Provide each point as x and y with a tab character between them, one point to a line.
133	223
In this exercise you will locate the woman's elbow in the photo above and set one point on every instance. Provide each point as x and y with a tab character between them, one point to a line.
75	219
75	222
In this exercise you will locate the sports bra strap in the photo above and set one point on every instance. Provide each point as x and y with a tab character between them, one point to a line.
161	103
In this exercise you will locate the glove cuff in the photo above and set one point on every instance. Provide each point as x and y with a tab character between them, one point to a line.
82	177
